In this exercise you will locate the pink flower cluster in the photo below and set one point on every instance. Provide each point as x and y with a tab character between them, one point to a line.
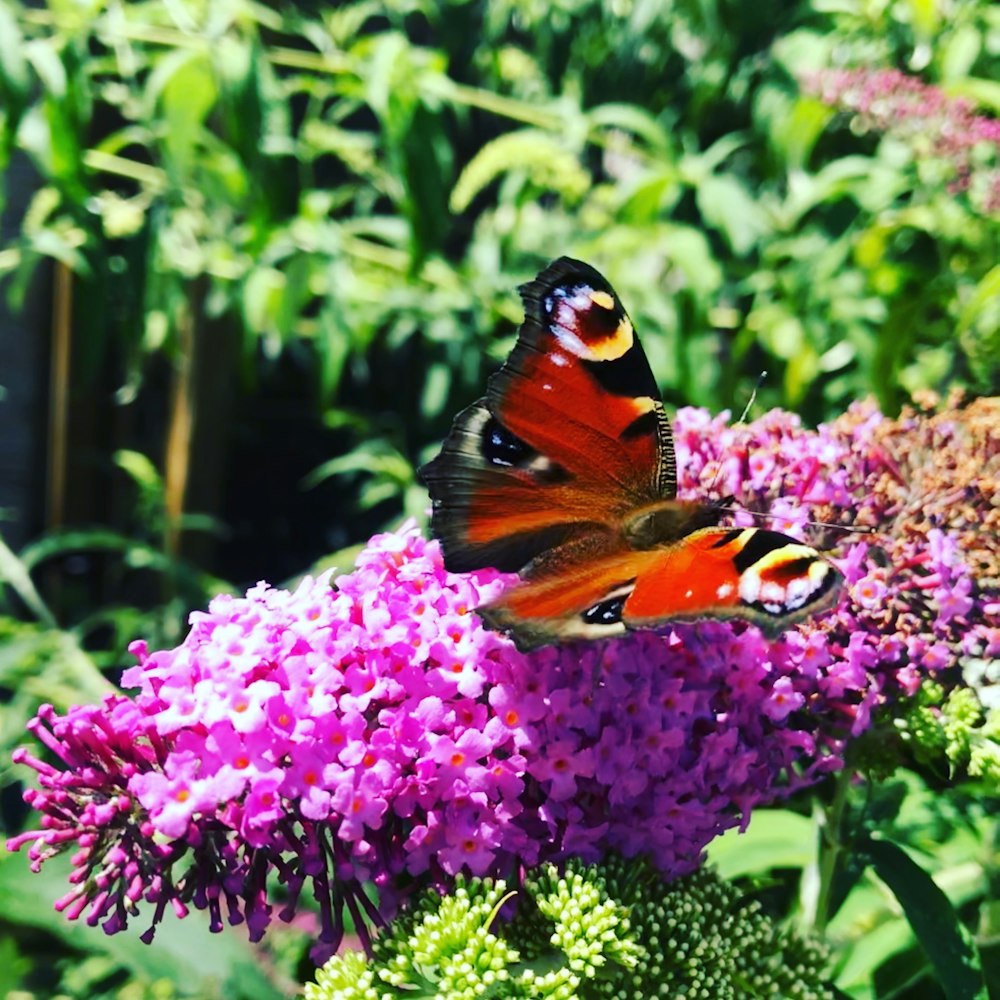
946	128
375	731
913	603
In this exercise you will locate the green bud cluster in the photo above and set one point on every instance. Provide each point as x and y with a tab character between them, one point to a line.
441	947
348	976
702	939
612	930
953	730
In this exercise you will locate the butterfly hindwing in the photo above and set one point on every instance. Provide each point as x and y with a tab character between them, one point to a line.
569	439
762	576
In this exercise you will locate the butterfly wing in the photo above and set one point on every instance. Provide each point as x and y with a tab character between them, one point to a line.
565	473
762	576
570	438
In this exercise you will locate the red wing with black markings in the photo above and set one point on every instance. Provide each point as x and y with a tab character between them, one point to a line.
762	576
570	438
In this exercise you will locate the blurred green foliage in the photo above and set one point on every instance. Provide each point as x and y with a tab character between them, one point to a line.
367	184
946	845
360	187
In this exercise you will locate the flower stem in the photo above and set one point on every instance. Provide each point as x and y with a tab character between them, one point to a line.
830	849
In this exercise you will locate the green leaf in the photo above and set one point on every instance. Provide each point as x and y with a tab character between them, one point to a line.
180	953
14	80
946	941
979	326
923	16
263	292
545	159
727	205
778	329
883	938
776	838
14	572
184	84
959	52
61	244
333	344
437	385
139	468
45	60
634	119
984	92
803	367
690	252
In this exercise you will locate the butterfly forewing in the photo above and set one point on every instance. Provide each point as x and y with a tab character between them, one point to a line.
569	439
578	385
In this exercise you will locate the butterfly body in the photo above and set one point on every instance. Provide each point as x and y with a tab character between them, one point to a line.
565	473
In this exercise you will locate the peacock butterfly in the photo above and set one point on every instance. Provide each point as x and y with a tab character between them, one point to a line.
564	472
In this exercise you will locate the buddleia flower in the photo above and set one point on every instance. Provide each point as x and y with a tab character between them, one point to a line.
368	731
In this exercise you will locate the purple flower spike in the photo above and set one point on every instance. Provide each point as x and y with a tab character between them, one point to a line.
373	731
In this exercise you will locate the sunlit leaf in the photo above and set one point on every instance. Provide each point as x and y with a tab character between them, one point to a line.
14	78
979	326
542	157
776	838
727	205
178	955
44	59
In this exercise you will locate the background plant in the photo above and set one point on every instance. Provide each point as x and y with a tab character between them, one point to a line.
281	248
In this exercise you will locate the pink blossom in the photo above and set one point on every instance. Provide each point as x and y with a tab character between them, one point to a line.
376	731
921	114
783	700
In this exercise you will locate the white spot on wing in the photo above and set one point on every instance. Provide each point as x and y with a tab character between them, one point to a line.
750	587
566	317
724	591
539	465
799	591
559	360
569	341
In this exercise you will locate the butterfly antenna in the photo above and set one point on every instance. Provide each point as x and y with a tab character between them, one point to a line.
743	416
753	396
727	506
760	515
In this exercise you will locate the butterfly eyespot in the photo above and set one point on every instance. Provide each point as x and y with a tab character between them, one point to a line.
500	447
606	613
804	580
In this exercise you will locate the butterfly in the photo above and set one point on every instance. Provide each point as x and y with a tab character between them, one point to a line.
565	473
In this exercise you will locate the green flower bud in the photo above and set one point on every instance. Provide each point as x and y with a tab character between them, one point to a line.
612	930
